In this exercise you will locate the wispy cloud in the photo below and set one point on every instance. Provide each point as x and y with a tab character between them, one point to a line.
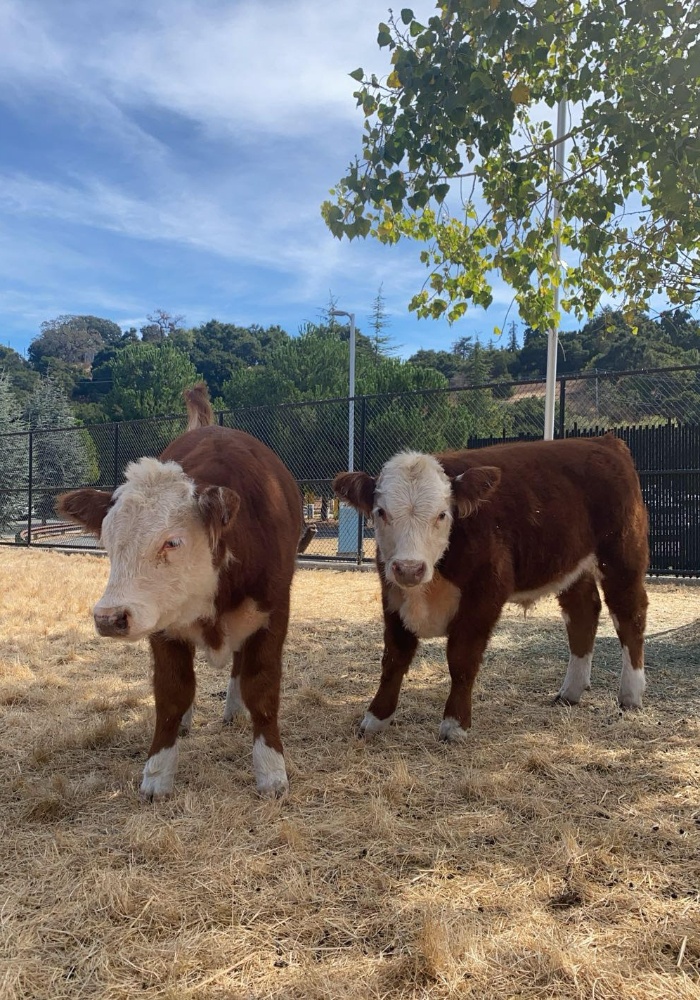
176	155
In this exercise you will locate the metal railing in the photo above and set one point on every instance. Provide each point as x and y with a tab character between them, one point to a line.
657	411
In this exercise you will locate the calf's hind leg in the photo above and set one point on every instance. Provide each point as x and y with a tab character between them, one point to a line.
626	597
234	703
580	607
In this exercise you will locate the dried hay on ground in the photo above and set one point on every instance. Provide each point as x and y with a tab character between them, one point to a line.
554	855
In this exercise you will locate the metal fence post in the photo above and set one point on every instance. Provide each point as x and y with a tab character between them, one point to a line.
361	457
30	491
116	454
562	408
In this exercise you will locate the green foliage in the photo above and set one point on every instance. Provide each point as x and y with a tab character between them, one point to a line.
460	118
60	458
74	340
22	378
13	457
217	349
148	380
315	365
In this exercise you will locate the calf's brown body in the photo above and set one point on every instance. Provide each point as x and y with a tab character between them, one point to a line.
227	497
526	519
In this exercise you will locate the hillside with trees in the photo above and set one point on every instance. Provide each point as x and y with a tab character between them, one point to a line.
105	374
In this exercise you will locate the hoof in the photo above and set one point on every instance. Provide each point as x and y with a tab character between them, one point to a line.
564	699
629	705
451	731
270	772
276	789
371	725
159	775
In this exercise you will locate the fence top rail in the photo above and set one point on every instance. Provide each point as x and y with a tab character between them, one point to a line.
299	404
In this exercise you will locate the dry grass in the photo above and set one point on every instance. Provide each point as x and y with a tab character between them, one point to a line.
555	855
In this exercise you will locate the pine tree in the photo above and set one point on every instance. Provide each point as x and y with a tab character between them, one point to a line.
60	458
513	338
13	457
381	342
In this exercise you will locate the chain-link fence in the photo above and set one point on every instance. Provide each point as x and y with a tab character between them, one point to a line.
656	411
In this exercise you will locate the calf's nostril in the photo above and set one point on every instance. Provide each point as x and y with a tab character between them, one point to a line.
112	622
121	622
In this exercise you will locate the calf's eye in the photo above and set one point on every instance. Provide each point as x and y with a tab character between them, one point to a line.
380	512
172	543
442	516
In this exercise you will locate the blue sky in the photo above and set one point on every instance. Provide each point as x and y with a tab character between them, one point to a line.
175	155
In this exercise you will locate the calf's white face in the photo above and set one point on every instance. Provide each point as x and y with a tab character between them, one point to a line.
412	515
158	531
413	503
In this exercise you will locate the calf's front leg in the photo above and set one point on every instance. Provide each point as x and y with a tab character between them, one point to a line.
174	688
260	678
467	639
399	649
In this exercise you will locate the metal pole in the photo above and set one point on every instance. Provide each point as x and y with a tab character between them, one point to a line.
360	515
553	341
351	386
351	410
116	455
30	492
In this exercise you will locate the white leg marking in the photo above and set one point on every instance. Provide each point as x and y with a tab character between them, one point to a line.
615	622
632	683
577	679
371	724
451	731
159	773
234	702
186	721
566	618
270	772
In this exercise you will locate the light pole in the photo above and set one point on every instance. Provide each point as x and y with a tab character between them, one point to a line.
553	340
351	394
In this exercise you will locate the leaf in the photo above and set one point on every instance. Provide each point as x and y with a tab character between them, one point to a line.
520	93
406	15
357	74
393	80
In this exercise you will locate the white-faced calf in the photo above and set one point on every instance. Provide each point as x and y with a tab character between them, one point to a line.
202	545
460	534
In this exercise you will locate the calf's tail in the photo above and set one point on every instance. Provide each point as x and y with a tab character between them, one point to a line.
199	411
307	537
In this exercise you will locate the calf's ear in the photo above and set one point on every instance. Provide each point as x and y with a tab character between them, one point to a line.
86	507
357	488
473	487
218	506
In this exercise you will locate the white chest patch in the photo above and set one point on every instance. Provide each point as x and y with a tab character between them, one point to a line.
557	586
426	610
236	626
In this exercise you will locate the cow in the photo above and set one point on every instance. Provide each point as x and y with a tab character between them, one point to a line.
460	534
202	545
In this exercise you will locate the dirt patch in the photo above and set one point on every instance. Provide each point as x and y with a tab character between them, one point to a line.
555	854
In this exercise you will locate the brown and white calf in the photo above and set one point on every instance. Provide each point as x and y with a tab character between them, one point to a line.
202	545
460	534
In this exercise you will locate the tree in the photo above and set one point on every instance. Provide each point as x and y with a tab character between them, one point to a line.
217	349
13	457
22	378
148	380
379	322
63	455
459	119
73	340
161	326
